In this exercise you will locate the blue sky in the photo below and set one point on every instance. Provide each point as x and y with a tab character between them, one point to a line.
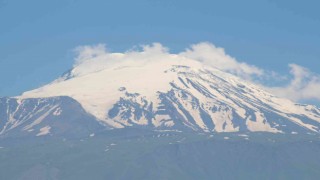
37	36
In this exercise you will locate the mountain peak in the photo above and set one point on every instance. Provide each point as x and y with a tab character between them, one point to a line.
177	93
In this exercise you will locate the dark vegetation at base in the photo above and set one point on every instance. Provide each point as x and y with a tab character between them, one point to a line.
137	154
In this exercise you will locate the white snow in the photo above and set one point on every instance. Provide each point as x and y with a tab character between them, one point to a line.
168	130
169	123
57	112
160	119
260	124
40	119
99	89
44	131
222	120
243	135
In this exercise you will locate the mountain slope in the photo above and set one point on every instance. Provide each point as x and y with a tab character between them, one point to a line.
45	116
179	94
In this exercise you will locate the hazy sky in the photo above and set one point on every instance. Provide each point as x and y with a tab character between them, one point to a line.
37	37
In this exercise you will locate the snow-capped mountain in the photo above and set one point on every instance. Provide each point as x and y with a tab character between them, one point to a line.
174	94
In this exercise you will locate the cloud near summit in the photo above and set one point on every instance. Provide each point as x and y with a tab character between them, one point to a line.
97	57
302	86
217	57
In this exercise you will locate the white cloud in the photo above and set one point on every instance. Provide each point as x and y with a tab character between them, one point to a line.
95	58
303	85
216	56
88	53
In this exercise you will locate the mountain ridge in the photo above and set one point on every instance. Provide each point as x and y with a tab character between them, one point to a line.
58	116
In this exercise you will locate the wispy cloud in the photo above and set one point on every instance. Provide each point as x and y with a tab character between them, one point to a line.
95	58
304	85
89	53
301	85
217	57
